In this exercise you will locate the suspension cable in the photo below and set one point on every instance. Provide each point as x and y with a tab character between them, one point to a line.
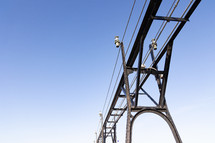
128	20
148	52
171	33
160	31
126	52
143	76
112	94
111	81
117	58
136	26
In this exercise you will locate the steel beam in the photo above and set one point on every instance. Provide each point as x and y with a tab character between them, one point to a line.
138	71
150	15
166	72
169	18
149	97
157	77
181	25
144	28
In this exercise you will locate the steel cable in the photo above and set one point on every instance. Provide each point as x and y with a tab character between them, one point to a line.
160	31
127	50
110	82
128	20
117	58
171	32
143	76
158	35
147	54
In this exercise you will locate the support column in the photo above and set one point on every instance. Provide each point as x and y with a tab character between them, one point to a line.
166	72
128	124
157	77
104	135
138	71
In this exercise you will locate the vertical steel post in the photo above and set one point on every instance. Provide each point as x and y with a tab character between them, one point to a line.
166	72
114	133
104	135
102	127
138	71
157	77
128	124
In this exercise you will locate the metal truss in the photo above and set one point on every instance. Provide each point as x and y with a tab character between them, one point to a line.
133	108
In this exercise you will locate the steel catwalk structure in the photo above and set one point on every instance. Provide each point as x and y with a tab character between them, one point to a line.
132	105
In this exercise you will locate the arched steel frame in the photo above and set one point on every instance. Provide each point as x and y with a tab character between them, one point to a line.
166	117
160	107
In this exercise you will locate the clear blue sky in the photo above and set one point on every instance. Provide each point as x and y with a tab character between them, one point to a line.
56	61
